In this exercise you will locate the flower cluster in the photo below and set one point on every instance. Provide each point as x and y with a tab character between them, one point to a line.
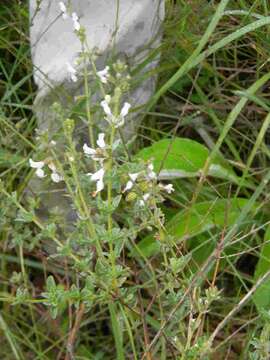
98	155
147	179
74	17
115	120
39	167
76	26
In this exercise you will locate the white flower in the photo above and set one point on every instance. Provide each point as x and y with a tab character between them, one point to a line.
89	151
106	106
63	9
117	121
168	188
98	177
62	6
96	154
72	72
56	177
145	198
104	75
151	175
131	182
38	165
40	173
125	109
75	19
100	141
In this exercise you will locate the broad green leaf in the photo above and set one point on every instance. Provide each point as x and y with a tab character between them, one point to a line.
180	157
189	223
261	296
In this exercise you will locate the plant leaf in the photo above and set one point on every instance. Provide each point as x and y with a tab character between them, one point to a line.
181	158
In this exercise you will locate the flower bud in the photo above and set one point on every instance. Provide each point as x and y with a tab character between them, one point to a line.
144	186
69	127
131	197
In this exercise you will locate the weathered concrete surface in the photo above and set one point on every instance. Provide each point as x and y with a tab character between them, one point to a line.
129	28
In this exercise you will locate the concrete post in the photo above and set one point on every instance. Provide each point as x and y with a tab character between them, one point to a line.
128	28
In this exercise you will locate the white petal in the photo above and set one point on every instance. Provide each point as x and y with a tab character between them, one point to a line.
146	197
100	142
103	79
62	7
129	186
56	177
169	188
76	25
40	173
74	16
74	77
141	203
88	151
125	109
134	176
100	185
98	175
151	174
104	74
36	164
106	107
72	72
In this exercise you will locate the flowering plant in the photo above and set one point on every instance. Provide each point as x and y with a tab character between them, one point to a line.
101	201
101	180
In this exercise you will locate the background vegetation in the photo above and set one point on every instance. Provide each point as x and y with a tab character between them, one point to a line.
213	89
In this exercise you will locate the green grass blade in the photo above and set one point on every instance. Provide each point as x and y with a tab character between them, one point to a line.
191	62
7	333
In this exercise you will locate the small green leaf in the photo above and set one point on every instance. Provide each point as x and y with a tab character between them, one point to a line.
50	283
261	296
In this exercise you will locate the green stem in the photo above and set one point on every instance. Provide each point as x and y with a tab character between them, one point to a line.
88	99
84	208
109	198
